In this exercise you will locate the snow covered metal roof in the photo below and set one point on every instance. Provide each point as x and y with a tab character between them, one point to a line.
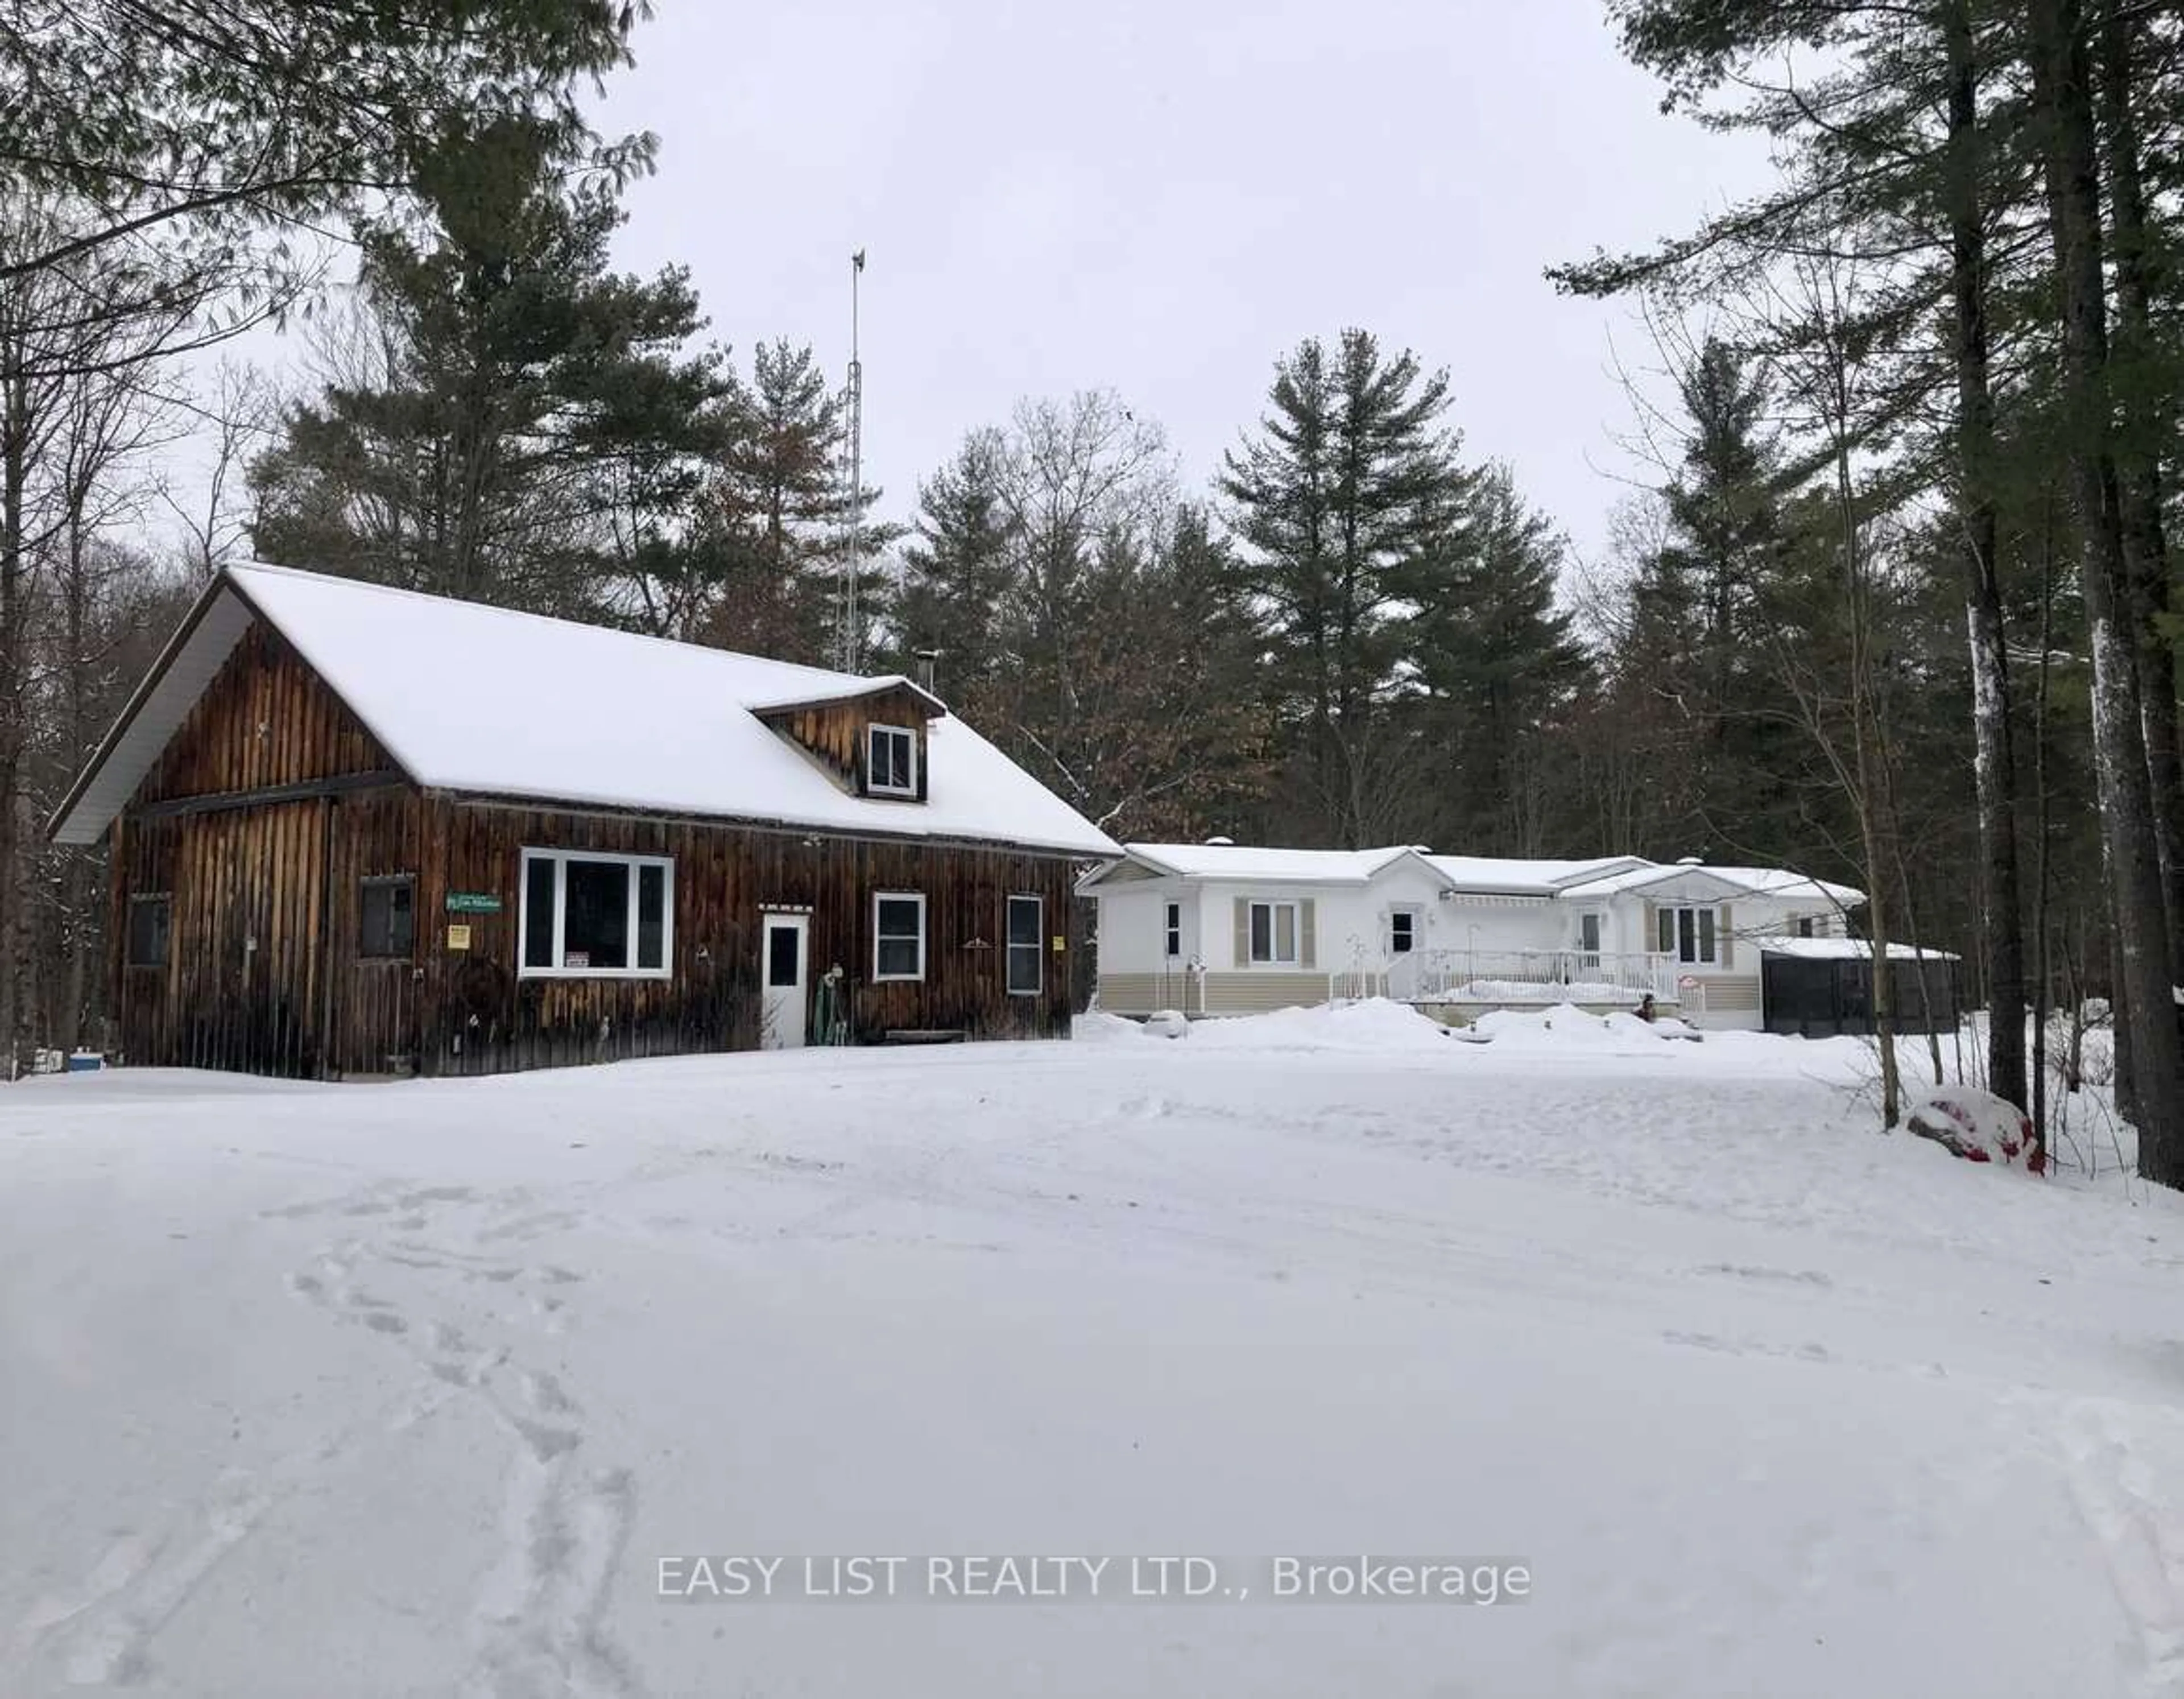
1599	877
1518	878
1776	882
1847	949
1282	866
484	701
846	687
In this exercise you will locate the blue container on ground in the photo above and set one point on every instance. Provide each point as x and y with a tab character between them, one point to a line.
85	1062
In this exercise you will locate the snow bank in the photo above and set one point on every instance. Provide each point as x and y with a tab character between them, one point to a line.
1376	1024
1565	1027
1096	1027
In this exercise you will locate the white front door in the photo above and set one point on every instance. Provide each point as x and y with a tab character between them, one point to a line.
782	968
1588	939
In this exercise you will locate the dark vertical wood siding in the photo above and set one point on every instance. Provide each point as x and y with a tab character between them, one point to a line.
835	732
490	1018
257	976
264	972
266	719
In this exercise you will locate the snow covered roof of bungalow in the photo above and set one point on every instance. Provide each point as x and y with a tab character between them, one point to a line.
1222	860
1705	880
484	701
1500	877
1600	877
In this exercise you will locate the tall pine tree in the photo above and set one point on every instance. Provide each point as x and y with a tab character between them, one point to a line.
503	363
1350	480
1500	668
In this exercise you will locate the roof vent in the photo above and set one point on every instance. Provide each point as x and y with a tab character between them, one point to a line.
1691	861
1221	843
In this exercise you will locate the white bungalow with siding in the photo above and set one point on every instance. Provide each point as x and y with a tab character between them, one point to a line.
1222	928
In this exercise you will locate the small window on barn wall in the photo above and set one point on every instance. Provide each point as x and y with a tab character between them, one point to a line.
890	760
1027	932
590	916
1807	926
150	919
386	919
898	935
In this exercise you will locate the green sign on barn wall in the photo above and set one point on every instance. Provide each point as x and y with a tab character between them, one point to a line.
473	903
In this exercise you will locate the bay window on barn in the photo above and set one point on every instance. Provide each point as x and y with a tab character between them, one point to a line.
588	914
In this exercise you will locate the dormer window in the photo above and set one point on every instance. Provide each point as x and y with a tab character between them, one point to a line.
890	760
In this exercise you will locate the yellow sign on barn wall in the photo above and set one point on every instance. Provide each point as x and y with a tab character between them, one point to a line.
459	937
1061	944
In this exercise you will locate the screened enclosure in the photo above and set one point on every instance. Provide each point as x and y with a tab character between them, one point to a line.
1819	993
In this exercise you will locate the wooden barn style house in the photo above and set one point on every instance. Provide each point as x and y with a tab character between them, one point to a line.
357	830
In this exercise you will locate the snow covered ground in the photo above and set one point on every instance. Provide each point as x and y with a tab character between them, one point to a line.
408	1390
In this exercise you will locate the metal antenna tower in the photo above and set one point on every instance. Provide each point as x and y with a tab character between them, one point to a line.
852	559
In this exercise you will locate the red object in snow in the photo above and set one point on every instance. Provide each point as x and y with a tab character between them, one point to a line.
1977	1126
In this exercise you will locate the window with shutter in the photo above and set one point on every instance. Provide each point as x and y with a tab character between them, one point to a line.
1272	936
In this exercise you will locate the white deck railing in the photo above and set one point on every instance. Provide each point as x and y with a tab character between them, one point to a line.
1532	976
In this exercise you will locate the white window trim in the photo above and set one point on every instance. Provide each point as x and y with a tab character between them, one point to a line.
917	897
1274	933
1170	933
561	858
872	787
1039	943
1417	917
1674	912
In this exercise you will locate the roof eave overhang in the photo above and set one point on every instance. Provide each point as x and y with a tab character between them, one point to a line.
772	825
69	823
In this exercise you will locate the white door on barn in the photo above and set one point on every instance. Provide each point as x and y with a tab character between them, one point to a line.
784	958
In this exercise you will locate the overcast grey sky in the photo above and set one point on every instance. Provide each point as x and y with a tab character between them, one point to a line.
1160	197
